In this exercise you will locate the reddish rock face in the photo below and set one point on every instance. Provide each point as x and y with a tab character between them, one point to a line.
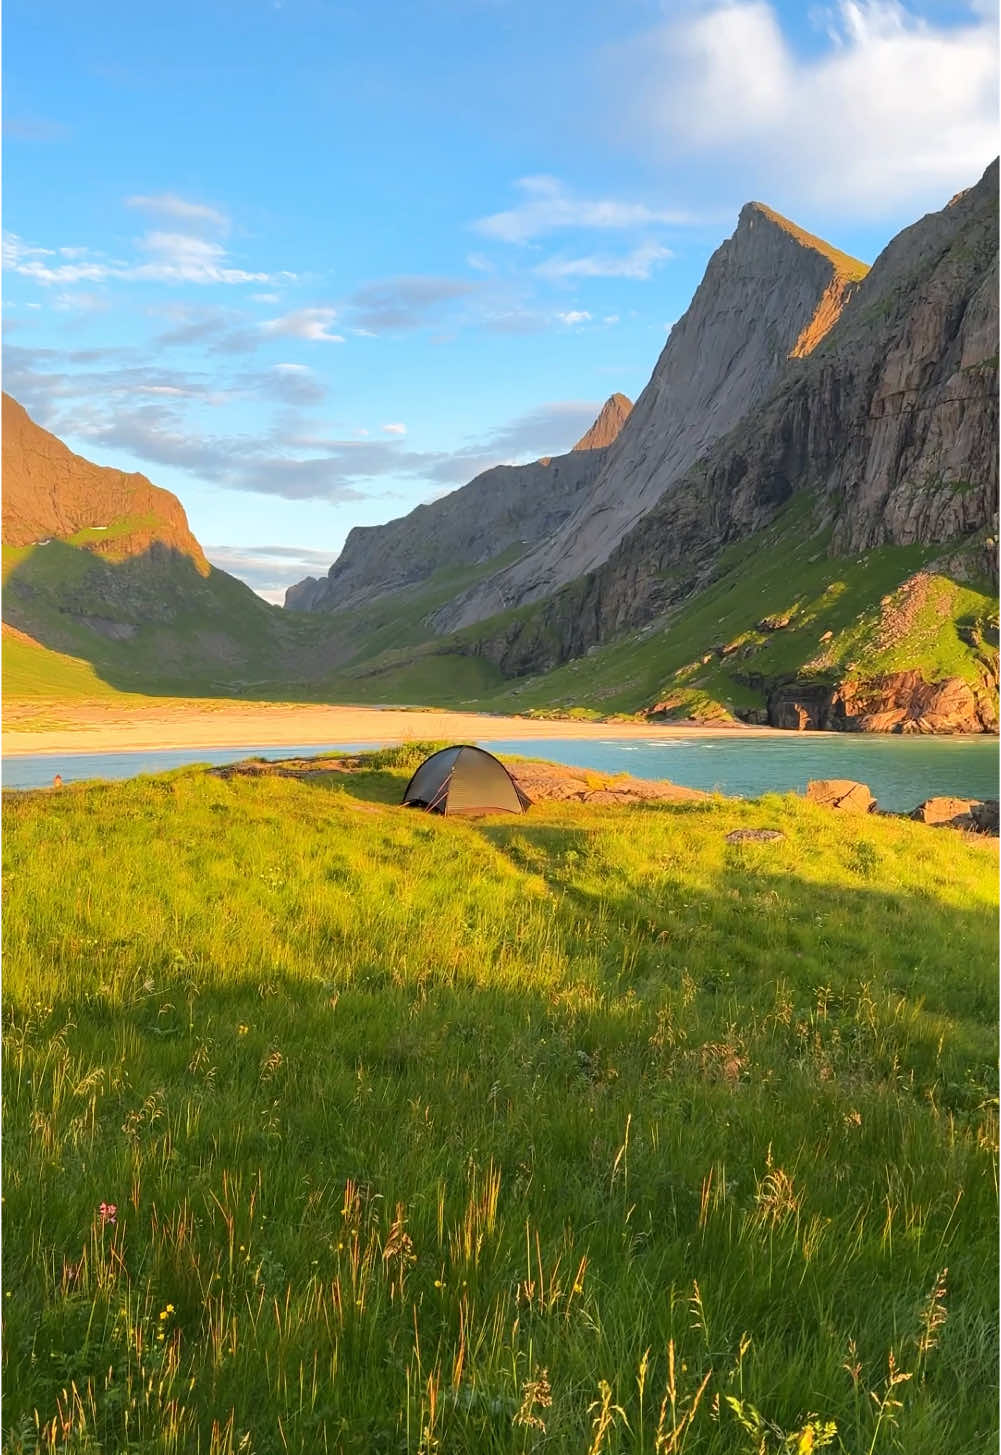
605	429
904	702
956	812
51	493
841	793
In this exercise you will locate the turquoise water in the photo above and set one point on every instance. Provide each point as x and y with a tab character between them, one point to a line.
899	771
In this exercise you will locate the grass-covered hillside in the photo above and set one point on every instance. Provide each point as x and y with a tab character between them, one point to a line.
779	609
329	1126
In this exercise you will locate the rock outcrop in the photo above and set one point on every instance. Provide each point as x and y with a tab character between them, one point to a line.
841	793
894	702
505	507
608	426
953	812
974	815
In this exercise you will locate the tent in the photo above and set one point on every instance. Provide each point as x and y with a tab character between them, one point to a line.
464	780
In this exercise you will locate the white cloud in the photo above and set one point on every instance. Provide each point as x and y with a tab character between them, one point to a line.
636	264
80	302
312	324
167	204
394	429
171	257
548	206
610	318
575	316
180	257
895	111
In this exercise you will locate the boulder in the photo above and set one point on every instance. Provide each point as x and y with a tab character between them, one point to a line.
841	793
957	813
774	623
754	836
985	816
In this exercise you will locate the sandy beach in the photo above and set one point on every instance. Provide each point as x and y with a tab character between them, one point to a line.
108	728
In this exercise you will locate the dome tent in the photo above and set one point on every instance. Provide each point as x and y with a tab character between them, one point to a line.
464	779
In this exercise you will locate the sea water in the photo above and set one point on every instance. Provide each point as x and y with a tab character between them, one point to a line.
900	771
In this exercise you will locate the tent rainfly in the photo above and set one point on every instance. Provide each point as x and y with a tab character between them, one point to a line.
464	780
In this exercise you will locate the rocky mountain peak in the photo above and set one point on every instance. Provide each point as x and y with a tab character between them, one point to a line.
605	429
770	292
753	214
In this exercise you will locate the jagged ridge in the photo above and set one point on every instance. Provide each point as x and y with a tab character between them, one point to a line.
766	290
890	426
504	507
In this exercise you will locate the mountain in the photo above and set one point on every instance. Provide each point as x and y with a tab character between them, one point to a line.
502	510
882	439
100	567
51	493
770	293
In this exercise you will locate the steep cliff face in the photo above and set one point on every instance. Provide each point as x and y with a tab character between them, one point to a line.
502	508
890	425
50	493
769	293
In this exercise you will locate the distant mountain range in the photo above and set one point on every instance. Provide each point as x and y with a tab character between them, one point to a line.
796	523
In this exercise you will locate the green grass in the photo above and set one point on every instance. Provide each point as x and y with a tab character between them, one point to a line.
32	672
784	569
431	1135
196	637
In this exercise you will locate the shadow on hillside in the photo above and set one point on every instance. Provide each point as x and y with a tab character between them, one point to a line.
154	625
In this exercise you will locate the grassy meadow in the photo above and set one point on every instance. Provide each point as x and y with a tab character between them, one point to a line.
330	1126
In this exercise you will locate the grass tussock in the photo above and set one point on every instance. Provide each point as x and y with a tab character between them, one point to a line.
329	1126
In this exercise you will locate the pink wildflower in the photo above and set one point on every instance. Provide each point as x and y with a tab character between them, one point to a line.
108	1211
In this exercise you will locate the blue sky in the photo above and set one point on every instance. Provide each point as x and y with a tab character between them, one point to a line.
309	263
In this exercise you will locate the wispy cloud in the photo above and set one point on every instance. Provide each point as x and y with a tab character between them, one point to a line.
394	305
35	128
575	315
294	384
639	263
894	110
170	257
549	206
178	209
312	324
109	402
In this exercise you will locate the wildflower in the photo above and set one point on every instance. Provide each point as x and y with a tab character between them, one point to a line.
438	1283
241	1029
170	1308
108	1211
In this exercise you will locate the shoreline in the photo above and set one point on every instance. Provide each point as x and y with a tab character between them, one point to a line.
182	726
